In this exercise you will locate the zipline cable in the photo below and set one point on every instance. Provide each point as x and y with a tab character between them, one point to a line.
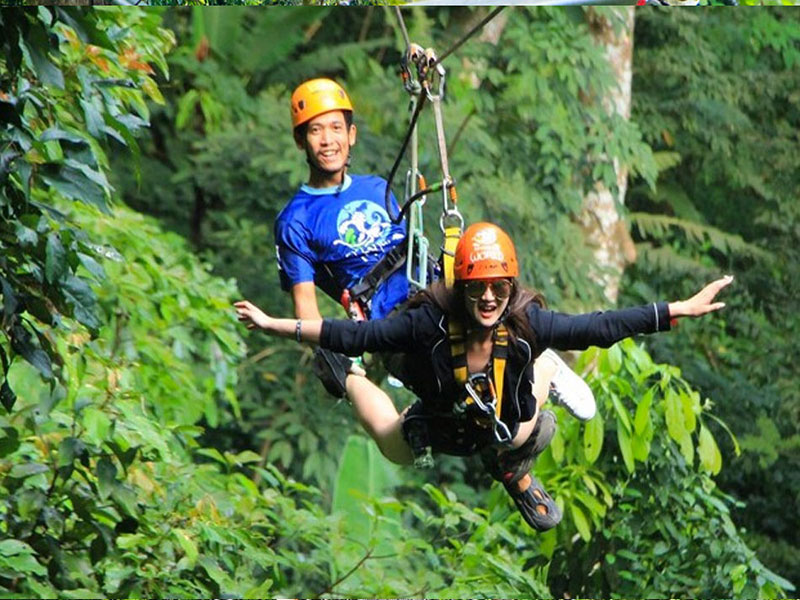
402	25
472	32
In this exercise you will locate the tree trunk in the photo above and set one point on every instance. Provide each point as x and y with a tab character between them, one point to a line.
612	29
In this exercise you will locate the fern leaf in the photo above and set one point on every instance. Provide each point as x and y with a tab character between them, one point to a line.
656	226
666	259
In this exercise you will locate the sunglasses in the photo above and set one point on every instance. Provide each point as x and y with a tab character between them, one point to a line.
501	288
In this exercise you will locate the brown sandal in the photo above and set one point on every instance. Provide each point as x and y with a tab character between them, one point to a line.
536	506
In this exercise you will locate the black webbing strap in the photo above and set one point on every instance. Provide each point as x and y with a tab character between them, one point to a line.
363	291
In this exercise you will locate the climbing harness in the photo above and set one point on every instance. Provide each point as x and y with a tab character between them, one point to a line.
481	405
359	297
483	401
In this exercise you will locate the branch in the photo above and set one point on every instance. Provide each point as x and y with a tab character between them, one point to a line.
329	589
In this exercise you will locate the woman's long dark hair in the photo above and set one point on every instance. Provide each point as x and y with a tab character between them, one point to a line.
451	301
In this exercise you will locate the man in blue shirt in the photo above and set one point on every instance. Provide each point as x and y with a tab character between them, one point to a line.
335	231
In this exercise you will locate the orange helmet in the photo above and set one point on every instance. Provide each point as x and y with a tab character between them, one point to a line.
484	252
315	97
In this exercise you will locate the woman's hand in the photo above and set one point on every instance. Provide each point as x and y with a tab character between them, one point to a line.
252	316
307	330
702	302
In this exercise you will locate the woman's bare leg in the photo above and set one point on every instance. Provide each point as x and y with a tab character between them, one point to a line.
379	417
543	373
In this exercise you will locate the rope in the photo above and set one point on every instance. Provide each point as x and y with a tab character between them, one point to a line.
404	209
406	206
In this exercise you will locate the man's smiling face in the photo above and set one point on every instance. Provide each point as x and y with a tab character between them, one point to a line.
328	140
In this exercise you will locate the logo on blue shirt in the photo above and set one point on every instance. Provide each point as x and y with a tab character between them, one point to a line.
362	224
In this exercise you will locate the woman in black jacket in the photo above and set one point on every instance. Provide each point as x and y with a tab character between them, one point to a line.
467	353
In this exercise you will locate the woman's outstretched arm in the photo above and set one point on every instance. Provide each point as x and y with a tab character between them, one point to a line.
406	331
604	328
308	330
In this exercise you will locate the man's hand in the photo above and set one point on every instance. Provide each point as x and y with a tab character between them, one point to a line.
702	302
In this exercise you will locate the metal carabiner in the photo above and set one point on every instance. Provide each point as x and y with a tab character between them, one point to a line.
501	432
412	54
471	386
455	215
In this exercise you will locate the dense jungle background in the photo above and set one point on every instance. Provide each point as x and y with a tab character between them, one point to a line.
150	446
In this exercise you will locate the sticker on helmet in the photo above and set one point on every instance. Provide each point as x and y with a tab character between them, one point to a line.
486	247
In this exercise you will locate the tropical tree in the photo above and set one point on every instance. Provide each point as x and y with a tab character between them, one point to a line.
721	116
71	83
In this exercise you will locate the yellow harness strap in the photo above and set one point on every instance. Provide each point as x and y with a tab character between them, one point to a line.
499	357
458	352
451	237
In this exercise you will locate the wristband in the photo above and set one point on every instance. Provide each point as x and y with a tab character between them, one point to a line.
298	330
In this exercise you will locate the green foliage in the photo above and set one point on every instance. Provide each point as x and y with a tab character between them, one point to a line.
667	476
103	494
658	458
726	105
363	474
433	545
71	82
148	464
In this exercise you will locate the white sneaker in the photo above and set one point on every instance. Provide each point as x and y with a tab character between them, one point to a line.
569	390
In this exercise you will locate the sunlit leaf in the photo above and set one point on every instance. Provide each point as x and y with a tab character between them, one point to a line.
624	439
708	452
593	438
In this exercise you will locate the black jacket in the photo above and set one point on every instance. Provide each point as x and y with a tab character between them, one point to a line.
421	333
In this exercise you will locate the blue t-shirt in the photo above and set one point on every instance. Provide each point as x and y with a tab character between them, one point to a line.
334	239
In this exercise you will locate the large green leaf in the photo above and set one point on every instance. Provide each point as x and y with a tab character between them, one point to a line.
55	259
708	452
10	304
642	416
625	447
14	547
363	475
38	46
593	438
581	522
676	424
23	345
21	471
9	441
106	477
22	563
73	184
82	300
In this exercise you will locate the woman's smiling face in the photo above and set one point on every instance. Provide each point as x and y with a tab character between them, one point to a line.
487	299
